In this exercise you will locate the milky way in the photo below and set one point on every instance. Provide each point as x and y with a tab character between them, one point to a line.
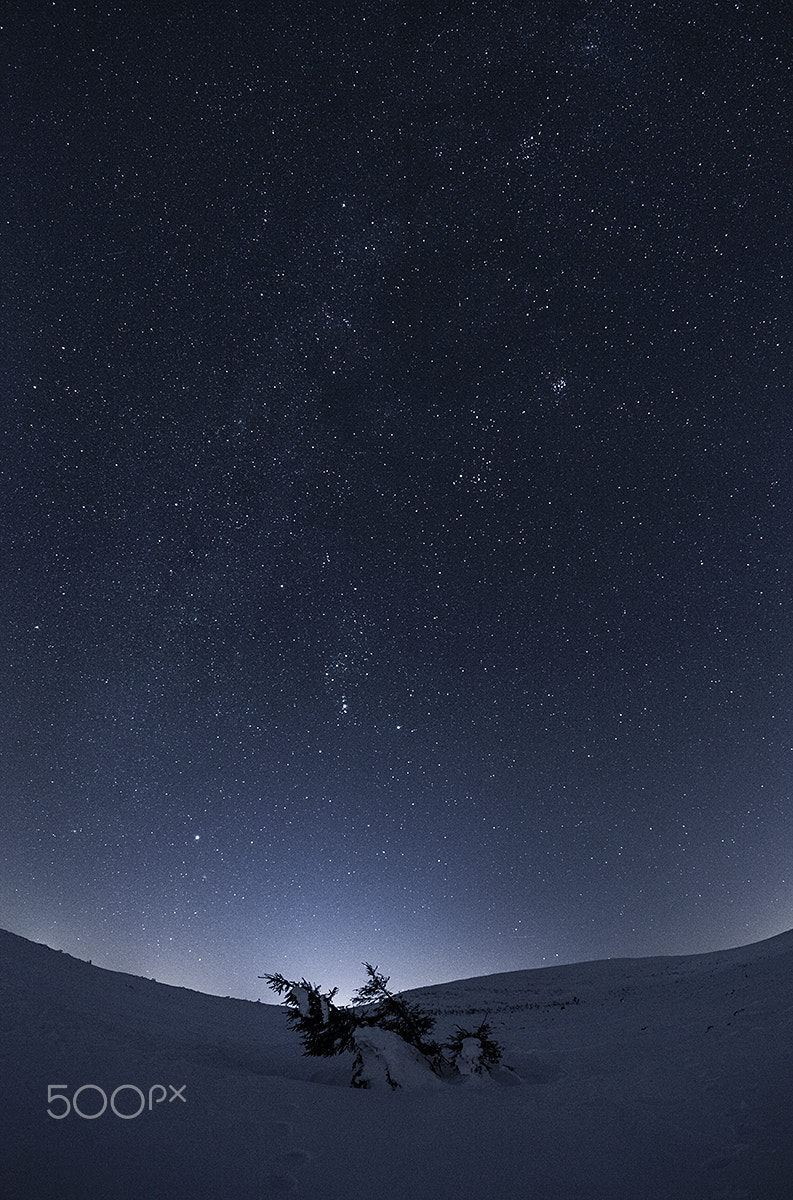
396	486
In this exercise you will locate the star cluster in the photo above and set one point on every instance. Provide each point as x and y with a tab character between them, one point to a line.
397	539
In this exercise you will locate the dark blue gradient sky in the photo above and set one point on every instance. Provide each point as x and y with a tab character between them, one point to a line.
396	474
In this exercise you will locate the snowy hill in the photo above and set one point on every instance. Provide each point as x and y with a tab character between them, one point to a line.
641	1079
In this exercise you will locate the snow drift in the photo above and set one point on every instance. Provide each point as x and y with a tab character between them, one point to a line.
634	1079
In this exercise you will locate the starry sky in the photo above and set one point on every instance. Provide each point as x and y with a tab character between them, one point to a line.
397	535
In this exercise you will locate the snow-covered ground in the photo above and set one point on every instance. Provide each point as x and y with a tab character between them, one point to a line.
642	1079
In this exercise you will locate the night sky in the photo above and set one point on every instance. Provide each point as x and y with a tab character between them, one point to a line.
397	536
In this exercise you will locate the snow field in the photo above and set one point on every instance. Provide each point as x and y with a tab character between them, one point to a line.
645	1079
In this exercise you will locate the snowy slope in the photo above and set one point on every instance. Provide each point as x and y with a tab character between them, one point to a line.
641	1079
